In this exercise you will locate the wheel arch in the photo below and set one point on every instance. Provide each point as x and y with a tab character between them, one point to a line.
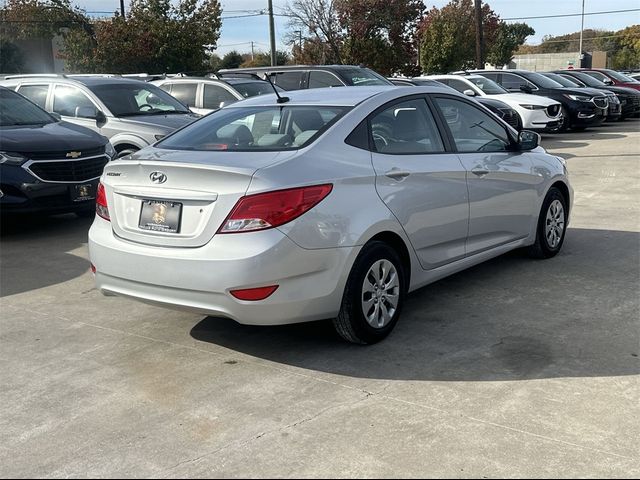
564	190
396	242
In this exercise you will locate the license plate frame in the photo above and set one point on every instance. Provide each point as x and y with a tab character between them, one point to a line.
163	216
83	192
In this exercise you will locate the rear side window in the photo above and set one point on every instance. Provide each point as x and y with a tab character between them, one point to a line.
214	95
288	80
320	79
514	82
255	129
597	75
406	128
185	93
36	93
70	100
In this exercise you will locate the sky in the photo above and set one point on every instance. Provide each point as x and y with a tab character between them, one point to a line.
237	33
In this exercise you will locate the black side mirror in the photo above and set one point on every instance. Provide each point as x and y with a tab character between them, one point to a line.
528	140
526	88
101	118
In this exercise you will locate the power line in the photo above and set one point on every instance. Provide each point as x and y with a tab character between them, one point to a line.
574	14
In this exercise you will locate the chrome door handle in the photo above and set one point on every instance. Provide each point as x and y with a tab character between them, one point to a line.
397	174
481	172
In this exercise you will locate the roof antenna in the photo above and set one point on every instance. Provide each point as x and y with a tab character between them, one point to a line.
280	99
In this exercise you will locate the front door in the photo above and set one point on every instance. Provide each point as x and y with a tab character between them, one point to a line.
423	185
502	185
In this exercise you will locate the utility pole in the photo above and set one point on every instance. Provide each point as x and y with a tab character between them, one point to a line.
251	49
272	35
581	30
478	15
122	8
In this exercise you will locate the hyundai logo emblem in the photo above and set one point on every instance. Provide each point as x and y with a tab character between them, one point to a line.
158	177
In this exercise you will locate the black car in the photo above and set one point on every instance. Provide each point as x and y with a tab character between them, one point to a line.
46	165
629	98
300	77
614	110
501	109
579	109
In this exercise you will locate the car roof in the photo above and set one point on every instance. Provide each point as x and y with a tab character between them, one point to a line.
292	67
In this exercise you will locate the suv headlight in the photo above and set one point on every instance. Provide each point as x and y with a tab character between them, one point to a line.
11	158
533	107
110	151
577	98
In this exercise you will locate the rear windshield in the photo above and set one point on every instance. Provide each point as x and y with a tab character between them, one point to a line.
255	129
17	110
361	77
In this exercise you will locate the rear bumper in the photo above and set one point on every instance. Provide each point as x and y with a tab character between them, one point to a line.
310	282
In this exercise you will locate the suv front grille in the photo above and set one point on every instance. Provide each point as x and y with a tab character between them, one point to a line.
553	110
68	170
511	117
92	152
600	102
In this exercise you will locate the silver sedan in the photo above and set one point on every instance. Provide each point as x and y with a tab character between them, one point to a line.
328	204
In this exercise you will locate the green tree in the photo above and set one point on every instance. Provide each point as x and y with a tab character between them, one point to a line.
11	59
508	39
447	36
318	20
263	59
233	59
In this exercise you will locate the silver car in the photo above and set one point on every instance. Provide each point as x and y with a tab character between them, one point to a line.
130	113
331	203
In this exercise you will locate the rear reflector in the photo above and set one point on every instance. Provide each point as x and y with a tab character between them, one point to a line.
272	209
93	268
253	294
101	202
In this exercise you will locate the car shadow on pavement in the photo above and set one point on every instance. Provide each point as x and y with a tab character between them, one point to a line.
34	251
510	318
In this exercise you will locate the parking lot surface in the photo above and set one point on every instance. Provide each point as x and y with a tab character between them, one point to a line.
514	368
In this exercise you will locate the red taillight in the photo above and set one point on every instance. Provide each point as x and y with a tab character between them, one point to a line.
272	209
93	268
101	203
253	294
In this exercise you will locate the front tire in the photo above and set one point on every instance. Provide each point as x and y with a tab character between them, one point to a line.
373	297
552	226
566	121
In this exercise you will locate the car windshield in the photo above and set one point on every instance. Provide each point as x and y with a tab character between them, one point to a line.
488	86
621	77
565	82
362	77
255	129
17	110
252	89
541	81
137	98
588	80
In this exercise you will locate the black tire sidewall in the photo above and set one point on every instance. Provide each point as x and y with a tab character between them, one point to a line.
370	254
553	194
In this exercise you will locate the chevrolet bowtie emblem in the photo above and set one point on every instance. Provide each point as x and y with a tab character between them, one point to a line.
73	154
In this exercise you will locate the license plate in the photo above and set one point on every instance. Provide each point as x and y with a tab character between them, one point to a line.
83	193
160	216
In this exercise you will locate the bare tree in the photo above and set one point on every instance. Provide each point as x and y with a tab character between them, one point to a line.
320	19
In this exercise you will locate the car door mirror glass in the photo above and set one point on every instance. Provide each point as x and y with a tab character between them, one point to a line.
85	112
526	88
528	140
469	93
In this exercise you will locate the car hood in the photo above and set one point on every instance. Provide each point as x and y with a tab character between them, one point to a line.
525	98
57	136
172	121
621	90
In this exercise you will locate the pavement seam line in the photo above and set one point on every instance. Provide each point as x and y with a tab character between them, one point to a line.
311	377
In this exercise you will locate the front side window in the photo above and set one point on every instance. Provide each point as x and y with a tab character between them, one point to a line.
36	93
71	101
214	95
320	79
137	98
487	85
288	80
255	129
472	129
460	86
406	128
16	111
514	82
598	76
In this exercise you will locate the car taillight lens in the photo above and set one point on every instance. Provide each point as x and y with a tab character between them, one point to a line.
272	209
254	294
101	203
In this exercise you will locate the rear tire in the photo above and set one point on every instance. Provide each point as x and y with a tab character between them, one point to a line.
552	226
373	297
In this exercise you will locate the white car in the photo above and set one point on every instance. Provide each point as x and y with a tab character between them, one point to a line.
536	112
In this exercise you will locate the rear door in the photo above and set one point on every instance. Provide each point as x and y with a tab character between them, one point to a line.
421	183
502	184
